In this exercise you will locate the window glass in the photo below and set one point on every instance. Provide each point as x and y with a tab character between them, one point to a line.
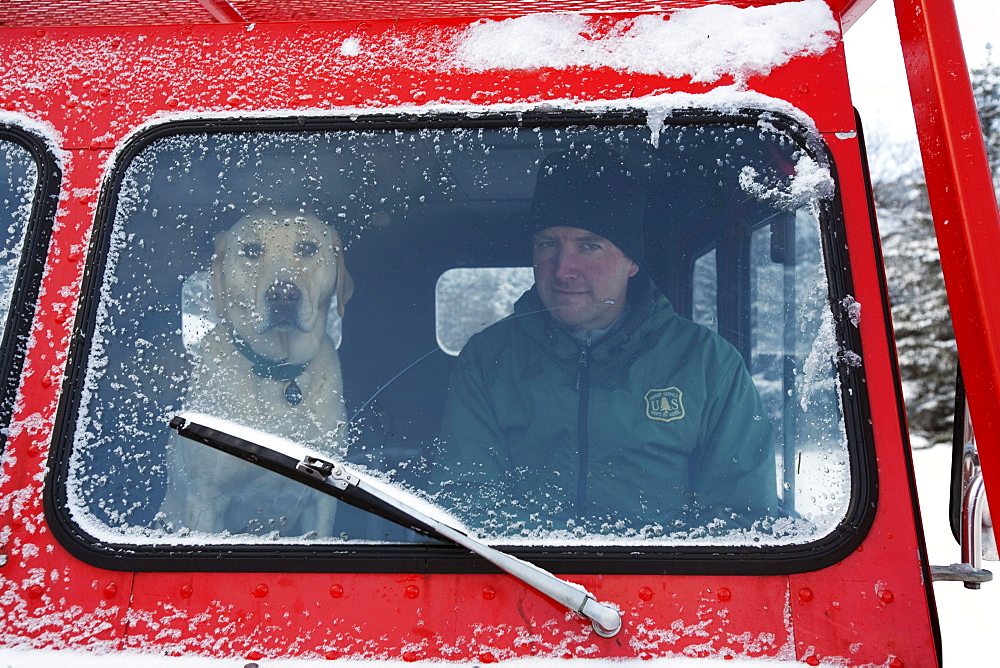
470	299
18	180
704	310
790	366
329	284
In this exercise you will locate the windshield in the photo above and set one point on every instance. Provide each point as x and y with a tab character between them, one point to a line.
570	333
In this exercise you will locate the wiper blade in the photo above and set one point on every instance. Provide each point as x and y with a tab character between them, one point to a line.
296	462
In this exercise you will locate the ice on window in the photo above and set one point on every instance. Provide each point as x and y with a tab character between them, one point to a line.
319	284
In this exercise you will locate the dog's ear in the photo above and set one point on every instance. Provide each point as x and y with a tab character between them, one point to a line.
345	284
218	283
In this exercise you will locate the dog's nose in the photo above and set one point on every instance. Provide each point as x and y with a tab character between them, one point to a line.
283	293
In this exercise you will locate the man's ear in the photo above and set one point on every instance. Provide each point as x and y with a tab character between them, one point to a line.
218	279
633	269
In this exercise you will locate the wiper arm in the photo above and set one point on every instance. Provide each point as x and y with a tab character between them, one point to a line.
337	480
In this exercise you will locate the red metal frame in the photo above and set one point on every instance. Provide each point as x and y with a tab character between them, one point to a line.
223	11
872	608
966	217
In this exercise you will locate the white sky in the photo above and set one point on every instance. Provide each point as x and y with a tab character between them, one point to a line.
875	60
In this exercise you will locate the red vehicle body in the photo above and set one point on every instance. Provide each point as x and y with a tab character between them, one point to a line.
87	79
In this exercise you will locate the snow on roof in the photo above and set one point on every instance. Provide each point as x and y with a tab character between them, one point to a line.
704	43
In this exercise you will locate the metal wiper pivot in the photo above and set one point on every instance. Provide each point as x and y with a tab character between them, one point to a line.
350	487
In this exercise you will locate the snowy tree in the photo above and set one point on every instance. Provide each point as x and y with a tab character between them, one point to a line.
924	336
986	88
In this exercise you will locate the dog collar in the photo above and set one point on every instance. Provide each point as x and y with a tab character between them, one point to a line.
272	370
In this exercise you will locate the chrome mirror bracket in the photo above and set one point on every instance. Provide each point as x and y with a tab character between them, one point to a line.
970	570
972	577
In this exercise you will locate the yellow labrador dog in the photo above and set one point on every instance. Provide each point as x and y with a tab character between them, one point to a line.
268	364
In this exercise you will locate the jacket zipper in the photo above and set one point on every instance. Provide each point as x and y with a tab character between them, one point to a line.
583	387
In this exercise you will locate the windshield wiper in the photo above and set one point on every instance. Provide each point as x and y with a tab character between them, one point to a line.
296	462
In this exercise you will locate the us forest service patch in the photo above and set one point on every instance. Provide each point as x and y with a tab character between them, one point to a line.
665	405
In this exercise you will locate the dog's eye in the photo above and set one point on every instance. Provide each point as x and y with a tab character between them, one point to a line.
252	251
306	249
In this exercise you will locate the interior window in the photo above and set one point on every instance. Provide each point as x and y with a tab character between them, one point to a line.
704	309
470	299
341	286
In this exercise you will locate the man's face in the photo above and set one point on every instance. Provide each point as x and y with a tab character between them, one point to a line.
581	276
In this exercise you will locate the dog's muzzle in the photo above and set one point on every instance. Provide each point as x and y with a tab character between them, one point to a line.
283	300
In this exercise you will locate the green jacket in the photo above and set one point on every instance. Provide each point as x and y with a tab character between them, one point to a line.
656	428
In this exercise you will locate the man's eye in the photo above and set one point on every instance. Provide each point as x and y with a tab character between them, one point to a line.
252	251
306	248
592	247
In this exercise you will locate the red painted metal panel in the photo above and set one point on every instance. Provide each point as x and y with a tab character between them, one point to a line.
124	12
49	598
99	86
456	617
232	68
966	217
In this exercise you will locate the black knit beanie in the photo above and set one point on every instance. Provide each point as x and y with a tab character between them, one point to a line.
590	187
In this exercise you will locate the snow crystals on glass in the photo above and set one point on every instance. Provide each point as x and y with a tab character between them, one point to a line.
429	225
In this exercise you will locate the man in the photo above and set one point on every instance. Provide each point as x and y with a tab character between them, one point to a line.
595	408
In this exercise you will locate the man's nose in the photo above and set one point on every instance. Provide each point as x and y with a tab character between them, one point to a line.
566	264
283	294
